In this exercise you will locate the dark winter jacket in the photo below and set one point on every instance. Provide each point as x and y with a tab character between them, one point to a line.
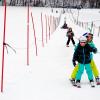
65	26
82	54
70	34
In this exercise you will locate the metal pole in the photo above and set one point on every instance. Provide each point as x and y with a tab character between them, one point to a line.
28	35
2	74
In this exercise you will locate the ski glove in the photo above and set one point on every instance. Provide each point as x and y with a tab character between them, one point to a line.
74	62
95	50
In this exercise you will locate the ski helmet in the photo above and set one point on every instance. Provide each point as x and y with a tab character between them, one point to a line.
82	39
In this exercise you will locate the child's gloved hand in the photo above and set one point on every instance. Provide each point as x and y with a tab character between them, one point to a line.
95	50
75	63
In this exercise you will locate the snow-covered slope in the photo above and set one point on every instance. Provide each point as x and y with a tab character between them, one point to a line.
47	76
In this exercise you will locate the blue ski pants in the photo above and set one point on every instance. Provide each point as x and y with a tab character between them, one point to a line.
81	70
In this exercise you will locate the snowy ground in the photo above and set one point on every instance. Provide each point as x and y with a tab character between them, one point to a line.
47	76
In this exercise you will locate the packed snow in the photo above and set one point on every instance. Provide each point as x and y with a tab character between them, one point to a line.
47	75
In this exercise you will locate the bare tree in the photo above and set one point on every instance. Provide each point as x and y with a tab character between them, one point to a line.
83	2
97	3
12	2
91	3
57	3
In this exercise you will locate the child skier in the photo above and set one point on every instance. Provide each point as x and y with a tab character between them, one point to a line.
92	63
83	57
70	36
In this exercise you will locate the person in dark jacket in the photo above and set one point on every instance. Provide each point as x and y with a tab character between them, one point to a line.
70	36
65	26
82	55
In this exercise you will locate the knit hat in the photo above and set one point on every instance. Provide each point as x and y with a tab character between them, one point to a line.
70	28
90	34
82	39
